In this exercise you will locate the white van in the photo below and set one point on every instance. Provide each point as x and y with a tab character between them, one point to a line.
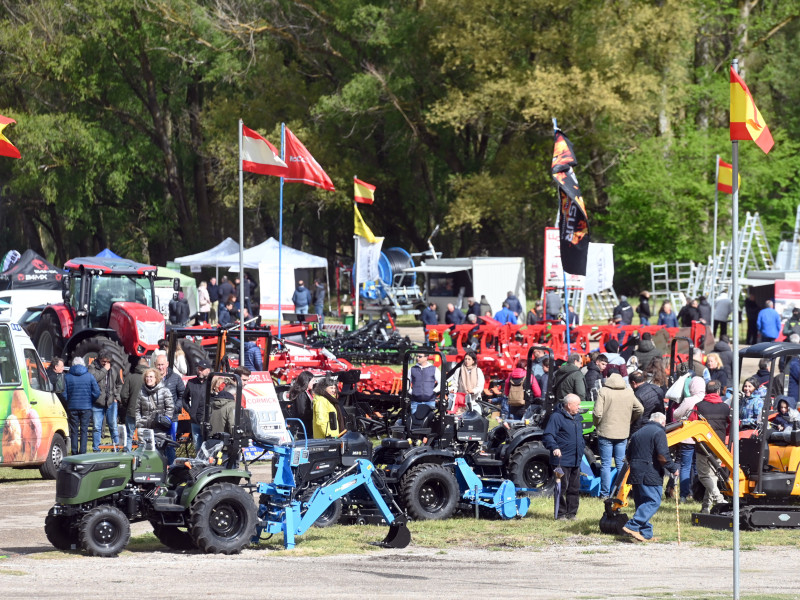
33	421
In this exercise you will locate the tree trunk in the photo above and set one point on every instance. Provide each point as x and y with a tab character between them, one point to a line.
195	100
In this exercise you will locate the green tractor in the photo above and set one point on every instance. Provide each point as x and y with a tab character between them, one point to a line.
199	503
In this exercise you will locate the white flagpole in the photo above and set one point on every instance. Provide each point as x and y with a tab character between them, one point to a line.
714	256
735	400
241	252
280	228
355	273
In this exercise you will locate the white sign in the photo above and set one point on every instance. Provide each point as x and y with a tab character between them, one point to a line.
263	400
367	259
599	265
599	268
553	272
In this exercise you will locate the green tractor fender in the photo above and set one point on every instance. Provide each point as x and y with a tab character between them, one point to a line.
211	477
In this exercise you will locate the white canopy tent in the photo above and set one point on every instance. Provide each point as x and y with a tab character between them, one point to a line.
264	257
211	257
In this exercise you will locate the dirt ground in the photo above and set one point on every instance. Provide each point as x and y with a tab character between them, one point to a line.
30	568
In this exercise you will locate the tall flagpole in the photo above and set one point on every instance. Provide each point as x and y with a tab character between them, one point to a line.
241	252
354	275
280	228
714	259
735	401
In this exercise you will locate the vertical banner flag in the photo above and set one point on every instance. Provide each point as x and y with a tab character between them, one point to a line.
363	193
361	228
725	178
746	120
6	147
302	166
574	225
259	156
367	257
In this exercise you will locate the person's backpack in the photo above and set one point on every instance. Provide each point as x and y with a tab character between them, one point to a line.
516	392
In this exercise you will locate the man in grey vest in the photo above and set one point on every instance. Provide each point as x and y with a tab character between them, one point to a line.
424	381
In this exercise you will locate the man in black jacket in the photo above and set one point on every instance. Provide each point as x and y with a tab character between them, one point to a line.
194	401
563	436
718	415
649	458
651	396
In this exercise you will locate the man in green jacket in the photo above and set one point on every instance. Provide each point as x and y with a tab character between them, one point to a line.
569	379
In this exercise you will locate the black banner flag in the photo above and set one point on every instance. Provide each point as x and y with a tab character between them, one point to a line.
573	224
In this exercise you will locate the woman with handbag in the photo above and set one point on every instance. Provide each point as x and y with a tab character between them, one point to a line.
466	385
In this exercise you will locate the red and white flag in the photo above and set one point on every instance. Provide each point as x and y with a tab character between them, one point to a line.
302	166
259	156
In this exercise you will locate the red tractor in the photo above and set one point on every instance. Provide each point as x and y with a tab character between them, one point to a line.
108	304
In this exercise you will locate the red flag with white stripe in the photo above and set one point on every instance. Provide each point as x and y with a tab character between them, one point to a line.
259	156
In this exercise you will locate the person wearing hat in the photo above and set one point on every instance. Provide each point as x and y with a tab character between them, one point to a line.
643	310
792	324
624	310
194	401
129	400
328	418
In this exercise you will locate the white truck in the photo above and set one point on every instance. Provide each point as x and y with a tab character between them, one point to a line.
32	419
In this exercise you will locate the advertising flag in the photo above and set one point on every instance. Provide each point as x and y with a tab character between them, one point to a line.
725	178
259	156
367	258
364	193
361	227
746	120
6	147
573	222
302	166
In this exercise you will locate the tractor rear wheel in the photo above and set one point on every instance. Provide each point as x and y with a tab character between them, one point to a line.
104	531
529	467
92	347
194	354
61	531
430	492
223	519
49	342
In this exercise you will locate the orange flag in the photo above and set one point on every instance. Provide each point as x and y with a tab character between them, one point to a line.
746	120
725	178
6	147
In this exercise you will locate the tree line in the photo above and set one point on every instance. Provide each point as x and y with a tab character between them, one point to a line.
127	117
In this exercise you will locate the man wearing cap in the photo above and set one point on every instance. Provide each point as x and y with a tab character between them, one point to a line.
194	401
792	324
624	310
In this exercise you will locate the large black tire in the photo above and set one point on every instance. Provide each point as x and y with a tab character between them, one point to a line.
223	519
529	467
58	450
331	515
90	349
61	531
429	492
173	537
104	531
194	354
49	342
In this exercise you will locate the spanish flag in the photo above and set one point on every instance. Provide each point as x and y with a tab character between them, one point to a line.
746	120
361	227
725	178
6	147
364	193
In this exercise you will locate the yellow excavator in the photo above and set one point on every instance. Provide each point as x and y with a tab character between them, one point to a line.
769	473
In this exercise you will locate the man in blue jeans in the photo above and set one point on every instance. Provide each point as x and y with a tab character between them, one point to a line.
80	391
649	459
105	407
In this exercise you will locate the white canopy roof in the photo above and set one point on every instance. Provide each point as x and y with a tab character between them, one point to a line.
267	252
211	257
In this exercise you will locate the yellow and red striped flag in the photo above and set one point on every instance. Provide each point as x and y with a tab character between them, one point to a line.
725	178
746	120
6	147
364	193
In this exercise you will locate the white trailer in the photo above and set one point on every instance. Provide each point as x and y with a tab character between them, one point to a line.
453	280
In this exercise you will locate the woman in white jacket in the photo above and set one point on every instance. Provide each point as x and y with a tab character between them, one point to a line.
468	379
697	391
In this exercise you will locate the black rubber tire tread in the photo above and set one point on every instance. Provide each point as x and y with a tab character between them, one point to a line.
114	519
61	531
331	516
94	345
417	481
220	501
58	450
194	354
49	326
518	464
173	537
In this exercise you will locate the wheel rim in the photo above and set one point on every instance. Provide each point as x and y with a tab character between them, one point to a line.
106	532
433	495
535	473
56	455
226	519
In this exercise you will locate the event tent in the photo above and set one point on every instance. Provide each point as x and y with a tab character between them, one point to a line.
264	257
31	271
164	289
210	258
107	253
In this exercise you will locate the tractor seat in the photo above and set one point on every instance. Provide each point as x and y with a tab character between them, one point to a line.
395	444
422	419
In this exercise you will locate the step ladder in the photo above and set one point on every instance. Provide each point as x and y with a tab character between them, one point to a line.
600	306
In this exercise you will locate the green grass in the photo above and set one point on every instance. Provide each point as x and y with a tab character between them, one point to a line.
20	475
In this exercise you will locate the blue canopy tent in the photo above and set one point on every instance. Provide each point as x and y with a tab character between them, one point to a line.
107	254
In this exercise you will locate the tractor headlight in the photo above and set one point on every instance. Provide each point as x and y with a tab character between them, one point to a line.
150	331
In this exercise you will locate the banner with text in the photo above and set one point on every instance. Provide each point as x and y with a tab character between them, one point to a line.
367	259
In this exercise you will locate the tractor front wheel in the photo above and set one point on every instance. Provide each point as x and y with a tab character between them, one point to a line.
430	492
529	468
92	347
104	531
223	519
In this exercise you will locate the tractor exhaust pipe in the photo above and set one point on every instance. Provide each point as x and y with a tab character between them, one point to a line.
398	537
